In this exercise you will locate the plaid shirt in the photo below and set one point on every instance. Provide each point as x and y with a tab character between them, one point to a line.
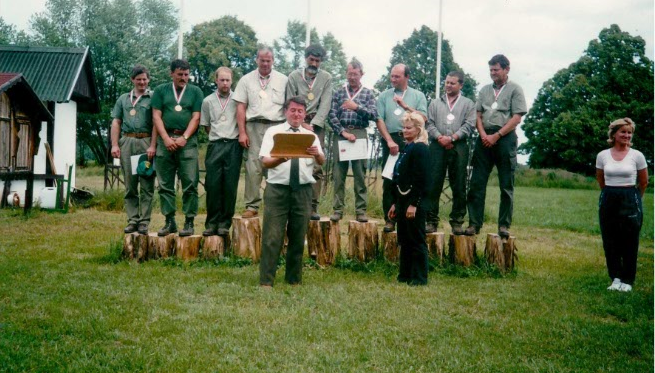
340	119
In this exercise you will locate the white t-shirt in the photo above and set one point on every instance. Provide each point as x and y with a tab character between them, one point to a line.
621	173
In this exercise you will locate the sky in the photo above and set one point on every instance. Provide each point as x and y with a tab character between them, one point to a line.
539	37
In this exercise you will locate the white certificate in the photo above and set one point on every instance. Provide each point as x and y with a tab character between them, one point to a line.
134	160
352	151
387	172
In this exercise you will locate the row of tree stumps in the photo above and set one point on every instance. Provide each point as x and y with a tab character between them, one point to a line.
323	245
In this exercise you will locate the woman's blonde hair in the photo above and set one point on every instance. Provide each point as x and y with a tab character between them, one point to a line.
417	120
616	126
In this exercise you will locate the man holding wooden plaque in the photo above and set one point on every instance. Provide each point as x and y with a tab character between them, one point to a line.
289	152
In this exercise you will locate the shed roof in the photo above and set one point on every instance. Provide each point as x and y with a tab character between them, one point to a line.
55	74
15	85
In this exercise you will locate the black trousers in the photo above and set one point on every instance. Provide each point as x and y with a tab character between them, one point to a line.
413	248
621	216
387	189
223	165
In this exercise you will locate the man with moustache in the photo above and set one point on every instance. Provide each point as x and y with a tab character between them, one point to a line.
316	86
260	97
353	106
392	105
176	113
451	120
223	158
287	198
500	107
132	134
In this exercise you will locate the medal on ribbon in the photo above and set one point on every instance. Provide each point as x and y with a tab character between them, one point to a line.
310	95
134	102
263	84
352	98
223	117
451	117
178	107
398	110
494	106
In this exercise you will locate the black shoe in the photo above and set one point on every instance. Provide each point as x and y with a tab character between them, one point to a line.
131	228
223	232
169	228
389	226
336	217
430	228
188	228
143	228
315	216
362	218
458	230
503	232
209	232
471	230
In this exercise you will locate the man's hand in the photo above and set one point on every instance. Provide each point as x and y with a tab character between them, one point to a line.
398	100
151	152
115	151
313	150
349	105
244	141
445	141
490	140
307	126
348	136
393	147
170	144
180	142
411	212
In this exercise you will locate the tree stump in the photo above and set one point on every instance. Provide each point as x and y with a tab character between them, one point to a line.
160	247
436	244
213	247
500	253
390	247
135	246
247	238
362	240
323	241
462	249
187	248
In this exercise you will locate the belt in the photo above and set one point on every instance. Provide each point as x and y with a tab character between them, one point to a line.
355	127
138	135
309	117
266	121
175	132
224	140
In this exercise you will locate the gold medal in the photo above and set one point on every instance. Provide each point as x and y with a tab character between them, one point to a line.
133	112
310	96
178	107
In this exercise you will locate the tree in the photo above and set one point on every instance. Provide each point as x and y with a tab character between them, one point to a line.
226	41
419	53
119	34
290	52
567	124
9	34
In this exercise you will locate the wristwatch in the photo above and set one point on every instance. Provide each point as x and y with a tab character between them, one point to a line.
452	139
185	137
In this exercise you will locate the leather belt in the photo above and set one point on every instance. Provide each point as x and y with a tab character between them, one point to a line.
355	127
175	132
266	121
138	135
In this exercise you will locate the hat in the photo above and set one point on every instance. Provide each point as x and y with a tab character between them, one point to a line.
145	167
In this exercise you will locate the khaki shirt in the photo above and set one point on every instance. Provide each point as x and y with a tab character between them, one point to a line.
511	100
139	123
223	123
268	107
321	88
463	124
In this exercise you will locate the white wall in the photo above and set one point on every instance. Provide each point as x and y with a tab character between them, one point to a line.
40	160
65	139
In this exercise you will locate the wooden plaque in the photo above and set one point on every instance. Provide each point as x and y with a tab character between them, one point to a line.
292	145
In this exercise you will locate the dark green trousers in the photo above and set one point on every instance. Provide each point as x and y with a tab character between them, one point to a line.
452	162
284	211
387	189
138	189
223	165
503	156
184	163
359	175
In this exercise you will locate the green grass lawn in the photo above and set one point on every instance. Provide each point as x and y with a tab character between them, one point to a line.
67	304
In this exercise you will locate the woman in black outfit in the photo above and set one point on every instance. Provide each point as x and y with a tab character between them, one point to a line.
410	187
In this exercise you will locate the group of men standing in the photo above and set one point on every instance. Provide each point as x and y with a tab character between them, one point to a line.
162	124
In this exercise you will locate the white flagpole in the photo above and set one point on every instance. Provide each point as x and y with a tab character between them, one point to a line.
307	32
180	36
439	38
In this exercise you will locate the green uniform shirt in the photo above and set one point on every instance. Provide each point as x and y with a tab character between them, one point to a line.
163	99
510	101
139	123
387	107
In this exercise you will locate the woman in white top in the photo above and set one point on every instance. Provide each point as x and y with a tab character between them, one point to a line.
623	176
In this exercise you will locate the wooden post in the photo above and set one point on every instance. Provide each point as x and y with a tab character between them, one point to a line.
247	238
462	249
362	240
160	247
135	246
213	247
323	241
187	248
390	247
499	252
436	244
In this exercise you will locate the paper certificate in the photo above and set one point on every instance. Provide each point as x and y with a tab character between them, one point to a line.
134	161
387	172
352	151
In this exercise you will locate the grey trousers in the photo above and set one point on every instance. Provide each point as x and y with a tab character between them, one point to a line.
339	176
138	189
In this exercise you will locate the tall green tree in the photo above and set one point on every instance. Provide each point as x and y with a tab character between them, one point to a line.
567	124
419	53
119	34
226	41
10	35
290	52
